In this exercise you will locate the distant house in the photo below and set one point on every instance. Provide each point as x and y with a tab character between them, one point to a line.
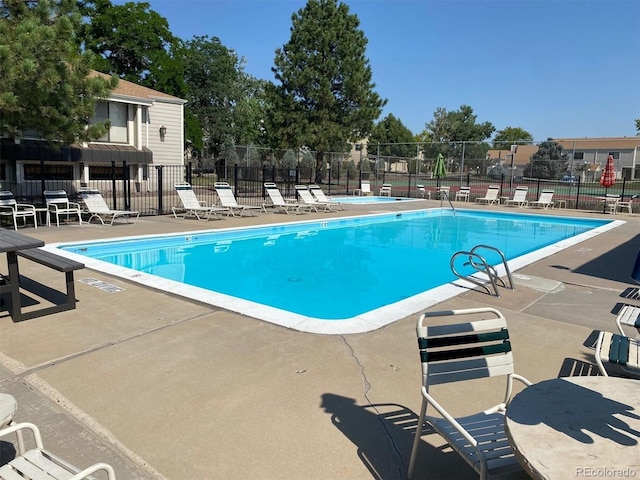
584	153
146	129
585	157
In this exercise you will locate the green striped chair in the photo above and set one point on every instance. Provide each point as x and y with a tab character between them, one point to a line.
476	349
619	353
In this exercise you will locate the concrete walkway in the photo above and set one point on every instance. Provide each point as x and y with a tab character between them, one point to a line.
165	388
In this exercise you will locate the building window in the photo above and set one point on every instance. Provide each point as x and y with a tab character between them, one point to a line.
578	156
117	113
51	172
105	173
615	155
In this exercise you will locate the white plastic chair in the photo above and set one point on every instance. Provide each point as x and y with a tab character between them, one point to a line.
191	206
40	464
478	348
545	200
58	204
618	352
308	199
491	196
228	200
280	204
519	197
385	190
463	194
98	208
9	207
364	190
317	192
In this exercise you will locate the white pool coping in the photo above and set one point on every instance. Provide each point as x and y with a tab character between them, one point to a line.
366	322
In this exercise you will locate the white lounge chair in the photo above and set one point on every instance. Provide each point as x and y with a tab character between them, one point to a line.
364	190
98	208
476	349
463	194
282	205
9	207
308	199
491	196
519	197
228	200
620	354
40	464
191	206
317	192
544	201
58	204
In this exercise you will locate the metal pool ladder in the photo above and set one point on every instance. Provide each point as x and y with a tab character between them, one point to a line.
480	265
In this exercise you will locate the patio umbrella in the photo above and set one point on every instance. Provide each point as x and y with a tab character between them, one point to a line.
608	177
439	168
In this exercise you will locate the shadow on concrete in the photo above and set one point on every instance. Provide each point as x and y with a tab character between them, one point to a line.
616	264
383	435
577	368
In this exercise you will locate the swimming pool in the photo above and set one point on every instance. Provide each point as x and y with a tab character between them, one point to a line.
340	275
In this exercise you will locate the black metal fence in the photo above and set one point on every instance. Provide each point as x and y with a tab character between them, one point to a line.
154	192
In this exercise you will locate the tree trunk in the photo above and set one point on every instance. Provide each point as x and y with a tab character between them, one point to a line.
319	167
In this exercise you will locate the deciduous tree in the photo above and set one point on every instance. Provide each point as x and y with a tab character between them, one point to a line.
393	138
324	95
511	136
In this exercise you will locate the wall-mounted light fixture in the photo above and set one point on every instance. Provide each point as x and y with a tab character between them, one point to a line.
163	130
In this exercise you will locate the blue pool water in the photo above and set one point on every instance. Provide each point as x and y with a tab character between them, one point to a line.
334	269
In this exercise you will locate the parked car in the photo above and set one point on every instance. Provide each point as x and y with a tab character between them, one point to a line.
570	179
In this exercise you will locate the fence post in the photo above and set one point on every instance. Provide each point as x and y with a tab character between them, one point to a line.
409	186
114	194
160	206
578	193
189	173
235	179
126	186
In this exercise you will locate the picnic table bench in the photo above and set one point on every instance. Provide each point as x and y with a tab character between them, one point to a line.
56	262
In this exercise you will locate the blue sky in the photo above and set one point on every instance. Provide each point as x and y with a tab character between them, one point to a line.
557	68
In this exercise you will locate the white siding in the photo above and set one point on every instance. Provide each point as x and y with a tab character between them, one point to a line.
167	150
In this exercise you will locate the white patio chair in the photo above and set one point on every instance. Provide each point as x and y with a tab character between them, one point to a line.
191	206
491	197
519	197
98	208
365	188
545	200
58	204
317	192
385	190
478	348
304	194
463	194
620	205
228	200
9	207
280	204
40	464
618	353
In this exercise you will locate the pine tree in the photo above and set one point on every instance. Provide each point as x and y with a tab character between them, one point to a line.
324	97
46	84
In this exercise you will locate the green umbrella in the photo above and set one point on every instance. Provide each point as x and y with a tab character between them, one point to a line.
439	168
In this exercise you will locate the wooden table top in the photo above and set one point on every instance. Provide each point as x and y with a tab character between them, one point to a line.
577	427
11	241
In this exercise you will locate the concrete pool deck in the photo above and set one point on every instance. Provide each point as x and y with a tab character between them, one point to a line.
163	387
